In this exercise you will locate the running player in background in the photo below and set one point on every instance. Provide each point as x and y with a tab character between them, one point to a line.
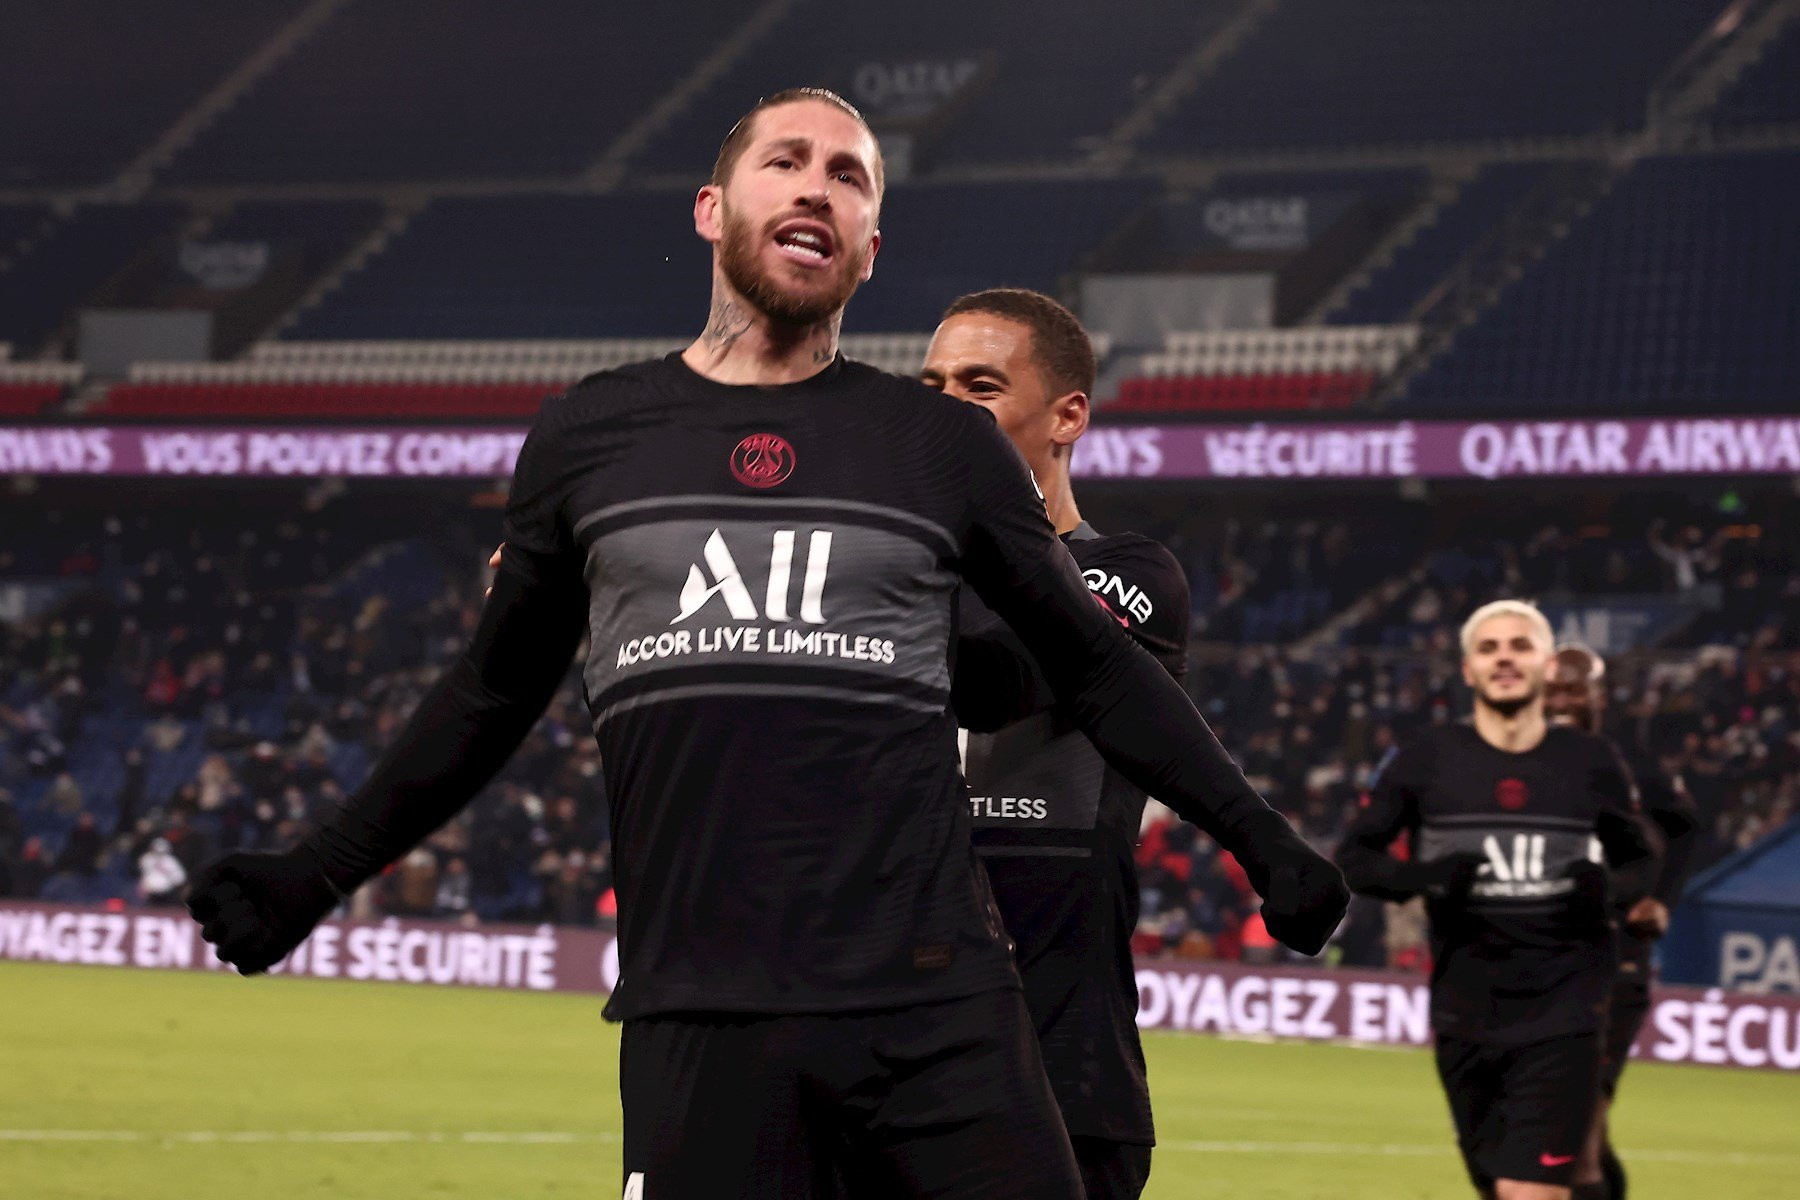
810	958
1053	824
1503	814
1575	695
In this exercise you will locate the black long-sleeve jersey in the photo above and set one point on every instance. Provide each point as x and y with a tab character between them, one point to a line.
1673	819
768	578
1527	953
1056	828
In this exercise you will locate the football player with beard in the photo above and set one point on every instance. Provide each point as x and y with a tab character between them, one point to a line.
764	543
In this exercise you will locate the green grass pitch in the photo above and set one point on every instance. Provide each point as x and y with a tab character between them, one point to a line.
153	1086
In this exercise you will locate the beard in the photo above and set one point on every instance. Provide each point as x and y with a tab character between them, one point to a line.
743	269
1511	706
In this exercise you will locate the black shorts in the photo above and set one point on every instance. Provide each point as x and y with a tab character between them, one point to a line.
1521	1112
1624	1018
1112	1170
945	1099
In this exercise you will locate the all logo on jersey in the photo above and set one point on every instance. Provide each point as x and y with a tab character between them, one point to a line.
1516	869
1525	863
762	460
1512	794
719	577
746	590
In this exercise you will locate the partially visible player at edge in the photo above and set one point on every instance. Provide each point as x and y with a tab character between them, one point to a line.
764	543
1503	815
1053	825
1575	695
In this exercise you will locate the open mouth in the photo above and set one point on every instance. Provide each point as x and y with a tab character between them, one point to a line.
808	243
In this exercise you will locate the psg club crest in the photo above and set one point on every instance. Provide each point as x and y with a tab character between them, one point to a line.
1512	794
762	460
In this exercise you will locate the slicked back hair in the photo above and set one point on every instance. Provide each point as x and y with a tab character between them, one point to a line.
1059	345
1529	612
732	148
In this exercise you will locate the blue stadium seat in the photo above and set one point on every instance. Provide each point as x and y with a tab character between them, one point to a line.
17	222
528	266
321	231
1326	73
1676	291
430	89
1769	92
86	87
630	265
1035	90
67	265
1389	296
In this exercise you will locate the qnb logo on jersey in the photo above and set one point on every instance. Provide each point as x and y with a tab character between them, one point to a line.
1111	589
719	577
1514	869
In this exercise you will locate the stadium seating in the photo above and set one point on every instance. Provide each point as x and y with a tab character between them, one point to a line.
1263	370
1478	206
630	265
1029	89
17	222
439	89
1676	291
1325	73
1769	92
29	389
320	231
325	400
69	263
1320	391
466	380
527	267
86	87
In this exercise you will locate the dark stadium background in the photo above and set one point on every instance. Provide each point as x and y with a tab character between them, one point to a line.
225	221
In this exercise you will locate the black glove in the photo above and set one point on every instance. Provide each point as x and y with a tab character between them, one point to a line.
257	907
1446	878
1305	903
1304	893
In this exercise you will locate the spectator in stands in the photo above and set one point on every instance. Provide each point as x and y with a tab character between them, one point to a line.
455	891
161	877
29	870
81	851
412	885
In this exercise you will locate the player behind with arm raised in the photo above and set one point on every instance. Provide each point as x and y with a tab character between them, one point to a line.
1054	825
1504	814
1575	695
764	543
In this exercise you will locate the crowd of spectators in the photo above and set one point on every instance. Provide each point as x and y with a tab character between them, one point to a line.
201	685
194	685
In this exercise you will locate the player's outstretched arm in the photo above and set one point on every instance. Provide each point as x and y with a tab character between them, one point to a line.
1388	809
1135	714
256	907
